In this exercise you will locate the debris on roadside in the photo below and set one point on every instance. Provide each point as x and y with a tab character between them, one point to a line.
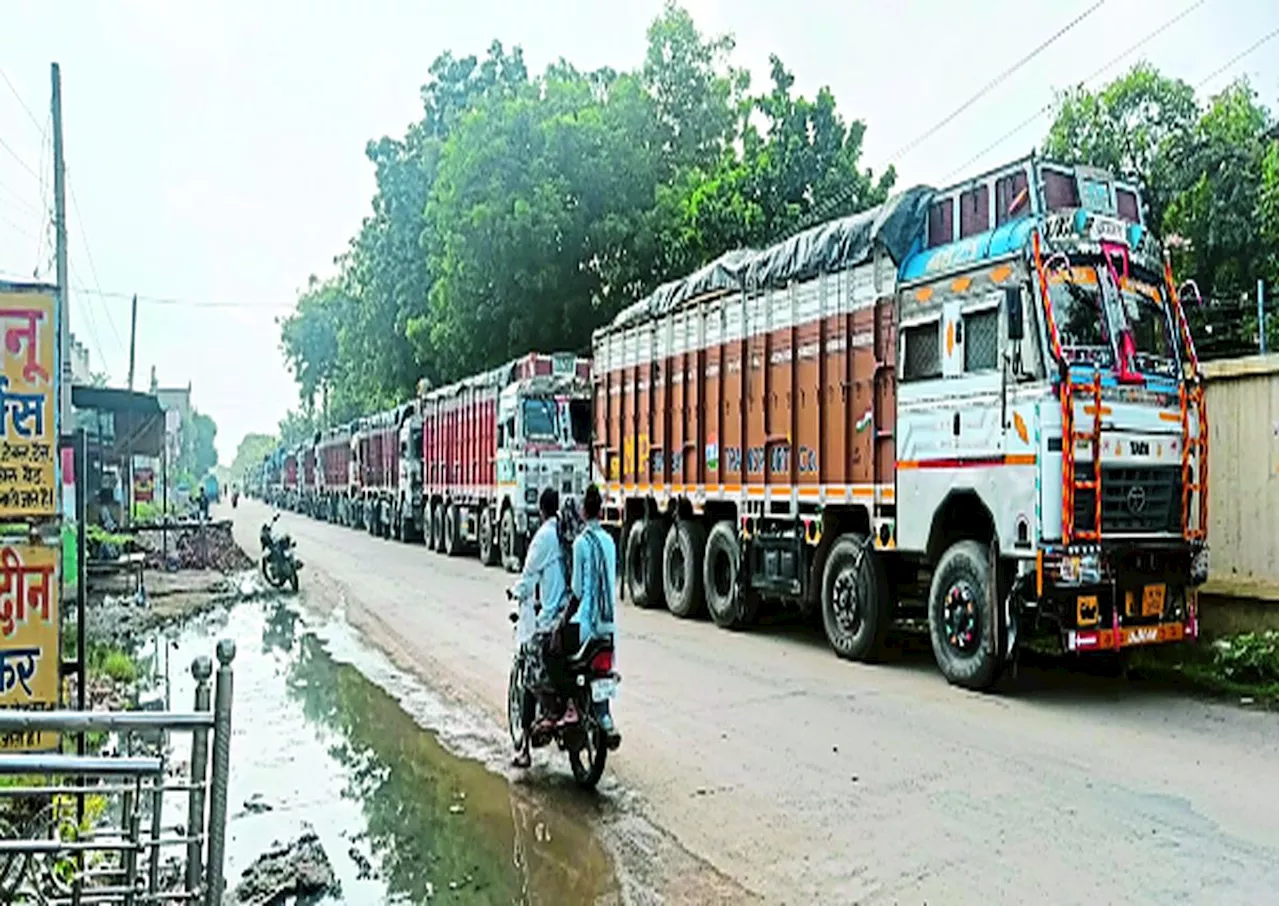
293	870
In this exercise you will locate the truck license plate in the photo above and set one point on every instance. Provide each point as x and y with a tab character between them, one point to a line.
1152	600
604	689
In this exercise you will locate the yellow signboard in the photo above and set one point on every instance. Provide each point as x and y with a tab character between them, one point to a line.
28	398
29	654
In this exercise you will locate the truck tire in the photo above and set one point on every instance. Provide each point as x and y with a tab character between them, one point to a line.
959	618
728	608
644	563
856	608
452	540
437	527
682	568
489	555
509	546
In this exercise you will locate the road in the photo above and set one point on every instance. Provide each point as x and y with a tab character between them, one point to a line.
793	777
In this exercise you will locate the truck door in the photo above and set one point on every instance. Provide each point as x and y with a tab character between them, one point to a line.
971	368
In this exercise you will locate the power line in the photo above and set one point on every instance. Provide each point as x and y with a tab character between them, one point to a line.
985	89
22	163
31	115
1237	58
93	268
192	303
1110	64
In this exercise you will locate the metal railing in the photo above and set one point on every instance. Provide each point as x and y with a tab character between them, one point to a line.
54	851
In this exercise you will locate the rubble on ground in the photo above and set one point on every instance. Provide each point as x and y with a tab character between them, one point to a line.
206	545
294	870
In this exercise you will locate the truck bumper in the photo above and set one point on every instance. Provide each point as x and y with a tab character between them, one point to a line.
1113	599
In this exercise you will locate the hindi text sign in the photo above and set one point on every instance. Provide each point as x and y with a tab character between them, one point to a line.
29	653
28	429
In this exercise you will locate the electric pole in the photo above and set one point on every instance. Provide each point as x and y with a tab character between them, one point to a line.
60	230
133	336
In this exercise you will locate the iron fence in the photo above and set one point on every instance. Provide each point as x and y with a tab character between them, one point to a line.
56	850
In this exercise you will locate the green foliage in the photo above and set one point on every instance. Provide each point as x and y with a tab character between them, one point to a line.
249	454
113	662
1205	177
523	211
1251	657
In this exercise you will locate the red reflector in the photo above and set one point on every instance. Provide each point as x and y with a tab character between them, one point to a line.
602	662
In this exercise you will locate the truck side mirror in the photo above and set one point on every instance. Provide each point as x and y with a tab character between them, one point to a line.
1013	312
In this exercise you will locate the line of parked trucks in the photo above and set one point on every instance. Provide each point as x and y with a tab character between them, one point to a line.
979	405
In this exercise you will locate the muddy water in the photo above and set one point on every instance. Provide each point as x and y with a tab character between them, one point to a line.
401	818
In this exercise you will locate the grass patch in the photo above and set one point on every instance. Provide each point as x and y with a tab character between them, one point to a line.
1246	665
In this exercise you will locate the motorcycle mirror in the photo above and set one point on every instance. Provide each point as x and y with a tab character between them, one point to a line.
513	617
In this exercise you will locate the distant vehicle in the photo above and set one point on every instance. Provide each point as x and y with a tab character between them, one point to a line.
211	487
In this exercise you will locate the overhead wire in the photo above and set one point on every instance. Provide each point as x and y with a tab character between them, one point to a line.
834	203
989	86
1106	67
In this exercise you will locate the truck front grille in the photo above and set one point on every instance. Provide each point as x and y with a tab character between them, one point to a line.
1135	500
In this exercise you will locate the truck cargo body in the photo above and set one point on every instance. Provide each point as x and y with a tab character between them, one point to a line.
333	457
868	419
380	449
492	442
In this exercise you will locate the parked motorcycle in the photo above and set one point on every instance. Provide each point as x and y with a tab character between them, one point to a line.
235	498
279	563
585	740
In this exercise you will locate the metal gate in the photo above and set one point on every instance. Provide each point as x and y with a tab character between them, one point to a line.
92	829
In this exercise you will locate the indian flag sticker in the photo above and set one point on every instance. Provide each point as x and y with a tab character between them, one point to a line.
863	423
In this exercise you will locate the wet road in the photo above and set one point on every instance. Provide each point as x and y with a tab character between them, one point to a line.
780	774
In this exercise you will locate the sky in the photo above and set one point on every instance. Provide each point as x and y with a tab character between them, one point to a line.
215	150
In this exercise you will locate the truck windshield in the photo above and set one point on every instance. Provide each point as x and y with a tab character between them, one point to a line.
580	421
1148	319
1085	332
1077	312
540	417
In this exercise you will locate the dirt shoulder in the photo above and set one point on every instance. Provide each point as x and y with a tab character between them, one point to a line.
788	776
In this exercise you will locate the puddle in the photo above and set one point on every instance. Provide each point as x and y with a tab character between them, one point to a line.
402	819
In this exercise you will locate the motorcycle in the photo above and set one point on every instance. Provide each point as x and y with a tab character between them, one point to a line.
279	563
594	681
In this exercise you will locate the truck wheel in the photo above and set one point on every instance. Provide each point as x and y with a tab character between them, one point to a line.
507	546
452	541
728	609
437	527
959	621
856	610
488	543
682	568
644	563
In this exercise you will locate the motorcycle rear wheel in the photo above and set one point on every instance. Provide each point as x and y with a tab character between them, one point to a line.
588	770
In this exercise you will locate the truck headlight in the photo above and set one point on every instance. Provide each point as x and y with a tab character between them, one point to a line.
1200	567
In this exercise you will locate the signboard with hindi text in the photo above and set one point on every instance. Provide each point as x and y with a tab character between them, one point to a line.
28	391
29	652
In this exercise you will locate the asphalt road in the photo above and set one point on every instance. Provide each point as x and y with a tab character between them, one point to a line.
790	776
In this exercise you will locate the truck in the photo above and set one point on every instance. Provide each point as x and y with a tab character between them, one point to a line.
333	459
492	442
977	407
379	450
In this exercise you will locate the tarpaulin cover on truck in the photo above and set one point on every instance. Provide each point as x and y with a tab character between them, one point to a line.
826	248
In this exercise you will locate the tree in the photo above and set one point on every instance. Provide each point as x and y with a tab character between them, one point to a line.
249	455
296	427
1132	127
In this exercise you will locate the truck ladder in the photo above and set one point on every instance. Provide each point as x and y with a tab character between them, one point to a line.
1072	391
1191	396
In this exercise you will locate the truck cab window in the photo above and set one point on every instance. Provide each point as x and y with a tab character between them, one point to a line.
982	340
922	354
540	418
580	421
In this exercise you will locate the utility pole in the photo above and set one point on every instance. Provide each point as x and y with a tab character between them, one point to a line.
133	337
60	229
1262	317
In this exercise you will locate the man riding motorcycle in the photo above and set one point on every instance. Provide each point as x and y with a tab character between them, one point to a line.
570	565
593	579
542	586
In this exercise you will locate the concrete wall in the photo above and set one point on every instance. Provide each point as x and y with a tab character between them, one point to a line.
1244	476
